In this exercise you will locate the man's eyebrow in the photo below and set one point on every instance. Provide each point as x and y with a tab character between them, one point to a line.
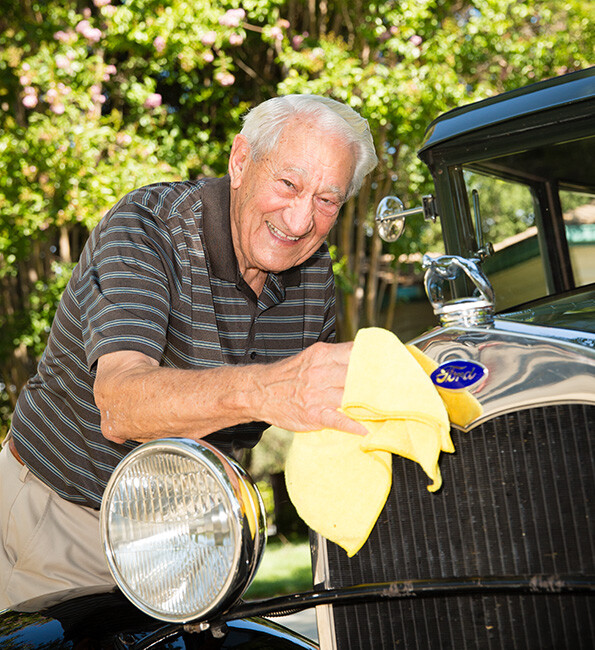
293	170
331	189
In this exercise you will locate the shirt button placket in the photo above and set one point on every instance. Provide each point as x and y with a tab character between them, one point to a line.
250	351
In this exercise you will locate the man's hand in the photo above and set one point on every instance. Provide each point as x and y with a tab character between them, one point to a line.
303	392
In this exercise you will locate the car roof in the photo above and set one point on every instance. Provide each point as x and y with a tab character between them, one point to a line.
519	103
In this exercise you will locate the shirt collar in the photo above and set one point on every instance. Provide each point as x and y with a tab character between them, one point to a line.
217	235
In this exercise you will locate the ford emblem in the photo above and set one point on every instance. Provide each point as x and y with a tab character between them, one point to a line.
458	374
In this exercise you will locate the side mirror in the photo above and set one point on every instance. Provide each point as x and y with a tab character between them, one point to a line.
391	214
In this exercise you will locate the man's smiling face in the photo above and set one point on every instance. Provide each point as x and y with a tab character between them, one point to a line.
283	205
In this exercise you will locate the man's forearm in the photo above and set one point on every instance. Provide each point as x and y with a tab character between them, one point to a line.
139	400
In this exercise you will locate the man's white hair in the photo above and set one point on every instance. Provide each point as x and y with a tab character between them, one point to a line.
264	123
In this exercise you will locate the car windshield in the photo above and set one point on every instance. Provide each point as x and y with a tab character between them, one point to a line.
526	202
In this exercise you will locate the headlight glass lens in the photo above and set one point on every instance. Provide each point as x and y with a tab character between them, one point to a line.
173	528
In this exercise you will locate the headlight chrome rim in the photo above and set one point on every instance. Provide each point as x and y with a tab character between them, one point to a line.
242	511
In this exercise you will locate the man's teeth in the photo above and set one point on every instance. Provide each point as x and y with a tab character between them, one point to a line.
279	233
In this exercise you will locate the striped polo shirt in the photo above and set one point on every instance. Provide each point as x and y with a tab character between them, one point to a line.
159	275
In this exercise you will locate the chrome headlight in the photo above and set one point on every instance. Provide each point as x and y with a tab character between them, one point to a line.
183	529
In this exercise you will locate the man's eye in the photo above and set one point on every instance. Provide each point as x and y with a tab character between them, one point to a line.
327	204
287	183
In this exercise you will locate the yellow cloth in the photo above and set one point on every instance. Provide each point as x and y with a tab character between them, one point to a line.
336	488
339	482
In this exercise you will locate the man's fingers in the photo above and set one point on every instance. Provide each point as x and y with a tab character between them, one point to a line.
341	422
304	392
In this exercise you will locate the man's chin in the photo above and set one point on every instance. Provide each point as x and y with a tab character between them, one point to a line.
278	266
275	264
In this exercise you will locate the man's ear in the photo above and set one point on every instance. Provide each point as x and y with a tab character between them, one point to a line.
239	159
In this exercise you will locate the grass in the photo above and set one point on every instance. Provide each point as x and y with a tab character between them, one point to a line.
285	569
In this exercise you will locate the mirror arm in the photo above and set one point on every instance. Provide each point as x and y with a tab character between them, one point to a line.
390	215
428	209
483	250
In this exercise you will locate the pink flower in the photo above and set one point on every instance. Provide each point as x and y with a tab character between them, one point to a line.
225	78
63	36
51	95
123	139
159	43
277	33
101	3
109	71
83	26
153	101
92	34
416	40
30	101
26	67
62	62
24	80
96	95
209	38
236	39
284	24
297	41
232	17
58	108
208	56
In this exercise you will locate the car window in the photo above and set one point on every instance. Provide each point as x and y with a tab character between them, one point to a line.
579	222
508	221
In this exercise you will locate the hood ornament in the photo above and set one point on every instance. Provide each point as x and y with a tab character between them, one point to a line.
475	310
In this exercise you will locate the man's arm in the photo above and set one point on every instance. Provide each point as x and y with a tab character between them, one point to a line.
139	400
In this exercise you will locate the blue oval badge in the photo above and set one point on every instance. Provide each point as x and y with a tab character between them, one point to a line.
458	374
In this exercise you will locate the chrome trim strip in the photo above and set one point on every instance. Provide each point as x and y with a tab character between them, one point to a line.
325	619
528	366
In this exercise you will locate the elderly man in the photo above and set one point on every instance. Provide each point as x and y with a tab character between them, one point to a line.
200	309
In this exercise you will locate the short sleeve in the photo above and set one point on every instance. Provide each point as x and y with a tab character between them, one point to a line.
123	290
328	333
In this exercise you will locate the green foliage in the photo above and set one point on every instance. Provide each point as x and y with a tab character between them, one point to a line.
506	207
285	569
344	278
98	97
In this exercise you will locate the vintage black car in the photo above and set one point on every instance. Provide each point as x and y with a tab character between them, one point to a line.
503	556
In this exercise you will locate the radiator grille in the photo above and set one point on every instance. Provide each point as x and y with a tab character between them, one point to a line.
517	499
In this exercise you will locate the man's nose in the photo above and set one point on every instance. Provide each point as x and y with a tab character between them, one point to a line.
299	216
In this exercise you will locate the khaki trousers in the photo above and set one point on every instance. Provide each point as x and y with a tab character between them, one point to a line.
48	545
